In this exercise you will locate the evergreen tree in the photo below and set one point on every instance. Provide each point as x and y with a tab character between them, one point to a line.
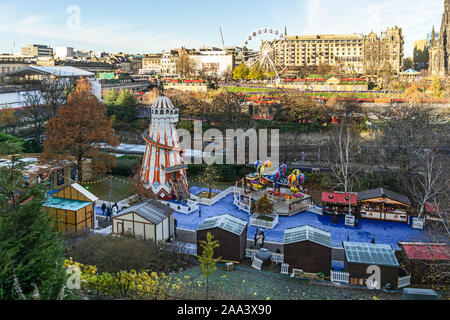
110	98
31	253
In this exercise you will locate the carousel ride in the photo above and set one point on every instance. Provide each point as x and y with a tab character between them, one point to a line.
285	190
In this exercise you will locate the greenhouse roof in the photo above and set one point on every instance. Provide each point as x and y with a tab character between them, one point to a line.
370	253
305	233
225	222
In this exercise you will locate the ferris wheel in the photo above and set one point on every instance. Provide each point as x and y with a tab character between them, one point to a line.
268	48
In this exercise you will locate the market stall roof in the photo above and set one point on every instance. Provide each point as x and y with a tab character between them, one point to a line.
152	210
426	251
383	193
339	198
84	192
65	204
304	233
370	253
226	222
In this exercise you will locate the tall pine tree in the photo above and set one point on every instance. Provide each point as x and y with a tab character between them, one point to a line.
30	251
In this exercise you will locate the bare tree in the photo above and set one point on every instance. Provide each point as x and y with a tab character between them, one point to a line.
54	94
186	66
341	156
35	111
376	52
429	182
406	131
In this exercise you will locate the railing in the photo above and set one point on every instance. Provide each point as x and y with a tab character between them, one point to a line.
339	276
214	200
104	231
254	221
315	209
277	257
404	282
190	207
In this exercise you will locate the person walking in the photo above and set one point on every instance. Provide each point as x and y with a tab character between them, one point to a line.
103	208
108	214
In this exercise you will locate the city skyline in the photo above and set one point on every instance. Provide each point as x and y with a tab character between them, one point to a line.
146	27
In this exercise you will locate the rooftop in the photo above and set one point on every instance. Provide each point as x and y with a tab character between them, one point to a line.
152	210
339	197
225	222
383	193
65	204
426	251
370	253
305	233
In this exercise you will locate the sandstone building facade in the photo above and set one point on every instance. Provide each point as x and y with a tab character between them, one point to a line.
440	49
352	53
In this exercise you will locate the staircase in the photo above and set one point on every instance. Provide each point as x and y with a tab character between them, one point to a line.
180	189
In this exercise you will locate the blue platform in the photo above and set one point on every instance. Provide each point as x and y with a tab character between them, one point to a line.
384	232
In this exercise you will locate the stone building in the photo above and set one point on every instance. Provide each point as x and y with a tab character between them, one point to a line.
351	53
440	48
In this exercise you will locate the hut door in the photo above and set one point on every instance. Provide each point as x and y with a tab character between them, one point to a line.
120	228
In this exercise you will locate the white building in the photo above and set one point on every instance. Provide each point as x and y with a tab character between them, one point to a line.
213	61
64	52
148	220
169	62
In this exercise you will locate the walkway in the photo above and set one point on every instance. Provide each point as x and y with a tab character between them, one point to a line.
384	232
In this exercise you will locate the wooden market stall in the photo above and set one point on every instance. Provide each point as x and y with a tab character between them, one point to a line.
359	256
426	262
229	231
149	220
383	204
337	203
308	249
71	209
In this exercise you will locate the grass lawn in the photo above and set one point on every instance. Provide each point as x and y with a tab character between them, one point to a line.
120	187
248	284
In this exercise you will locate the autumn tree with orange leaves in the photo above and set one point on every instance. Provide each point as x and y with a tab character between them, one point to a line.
78	128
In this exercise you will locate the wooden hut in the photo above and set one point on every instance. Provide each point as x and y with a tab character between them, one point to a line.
229	231
337	203
426	262
148	220
383	204
71	209
359	256
308	249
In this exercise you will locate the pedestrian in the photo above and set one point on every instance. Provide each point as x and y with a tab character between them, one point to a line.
263	237
103	208
115	209
175	227
199	212
108	214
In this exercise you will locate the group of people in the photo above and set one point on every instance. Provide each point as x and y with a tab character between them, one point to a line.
110	211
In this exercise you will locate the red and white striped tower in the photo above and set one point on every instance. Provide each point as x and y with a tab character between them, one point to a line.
163	169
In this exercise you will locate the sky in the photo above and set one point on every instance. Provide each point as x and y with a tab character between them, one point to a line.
149	26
